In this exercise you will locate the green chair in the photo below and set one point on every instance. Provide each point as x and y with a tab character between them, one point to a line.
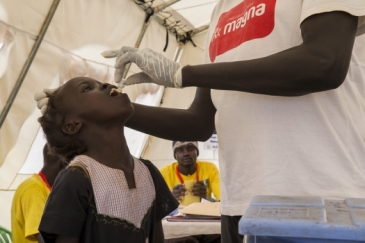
5	235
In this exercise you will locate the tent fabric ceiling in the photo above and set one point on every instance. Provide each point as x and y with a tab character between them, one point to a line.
195	12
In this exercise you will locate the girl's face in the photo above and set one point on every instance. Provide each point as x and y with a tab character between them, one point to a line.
94	101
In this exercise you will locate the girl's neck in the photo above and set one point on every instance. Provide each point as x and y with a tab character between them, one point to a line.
110	149
114	155
116	158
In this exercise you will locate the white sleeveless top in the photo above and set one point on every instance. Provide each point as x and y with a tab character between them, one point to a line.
112	194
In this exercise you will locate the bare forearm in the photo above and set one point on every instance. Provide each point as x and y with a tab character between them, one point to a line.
169	123
319	64
270	76
193	124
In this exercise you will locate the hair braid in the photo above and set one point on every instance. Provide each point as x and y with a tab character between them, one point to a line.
65	145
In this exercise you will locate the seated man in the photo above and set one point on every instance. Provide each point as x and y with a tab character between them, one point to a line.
188	168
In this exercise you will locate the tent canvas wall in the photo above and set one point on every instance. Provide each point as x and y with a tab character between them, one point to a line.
78	32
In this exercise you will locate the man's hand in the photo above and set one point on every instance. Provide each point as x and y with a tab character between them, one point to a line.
157	68
199	189
179	192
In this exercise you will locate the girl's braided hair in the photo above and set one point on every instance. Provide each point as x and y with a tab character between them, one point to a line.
65	145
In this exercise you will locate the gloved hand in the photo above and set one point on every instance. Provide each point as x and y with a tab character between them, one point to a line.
42	99
157	68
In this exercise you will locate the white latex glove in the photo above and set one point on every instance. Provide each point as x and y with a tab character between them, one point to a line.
159	69
42	99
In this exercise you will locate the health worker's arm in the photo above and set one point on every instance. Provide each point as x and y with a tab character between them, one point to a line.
194	123
320	63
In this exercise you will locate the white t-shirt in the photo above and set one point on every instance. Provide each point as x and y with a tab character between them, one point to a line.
308	145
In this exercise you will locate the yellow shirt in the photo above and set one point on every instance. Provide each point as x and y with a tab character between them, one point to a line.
206	171
27	209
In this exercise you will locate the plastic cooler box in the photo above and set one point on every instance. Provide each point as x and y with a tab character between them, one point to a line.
304	219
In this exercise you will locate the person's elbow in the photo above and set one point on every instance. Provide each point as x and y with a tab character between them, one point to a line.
329	72
205	134
204	131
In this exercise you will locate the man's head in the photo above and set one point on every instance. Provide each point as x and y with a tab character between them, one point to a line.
52	160
185	152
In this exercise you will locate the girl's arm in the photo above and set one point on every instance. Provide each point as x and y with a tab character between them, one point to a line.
70	193
67	239
39	238
159	235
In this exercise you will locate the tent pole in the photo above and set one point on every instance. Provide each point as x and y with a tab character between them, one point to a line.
150	14
179	51
177	57
138	42
160	7
28	62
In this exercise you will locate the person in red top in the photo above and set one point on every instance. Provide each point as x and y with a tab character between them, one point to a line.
30	198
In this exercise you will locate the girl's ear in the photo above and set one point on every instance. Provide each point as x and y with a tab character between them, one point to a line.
72	127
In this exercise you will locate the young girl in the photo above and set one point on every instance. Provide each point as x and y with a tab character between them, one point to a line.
105	194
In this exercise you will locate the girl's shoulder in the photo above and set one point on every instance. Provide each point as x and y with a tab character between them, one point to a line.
154	172
146	162
72	177
151	167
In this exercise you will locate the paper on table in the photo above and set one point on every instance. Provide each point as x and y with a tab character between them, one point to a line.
184	219
208	209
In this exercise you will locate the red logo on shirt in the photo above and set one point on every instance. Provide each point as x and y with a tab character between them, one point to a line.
251	19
